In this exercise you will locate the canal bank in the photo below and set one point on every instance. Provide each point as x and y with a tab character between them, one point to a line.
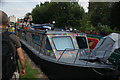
32	70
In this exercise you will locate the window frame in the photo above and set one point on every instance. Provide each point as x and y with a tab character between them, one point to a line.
48	42
64	49
86	42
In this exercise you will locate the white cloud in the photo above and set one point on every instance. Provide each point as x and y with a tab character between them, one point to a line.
85	6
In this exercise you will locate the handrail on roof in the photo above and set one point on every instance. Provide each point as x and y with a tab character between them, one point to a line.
37	31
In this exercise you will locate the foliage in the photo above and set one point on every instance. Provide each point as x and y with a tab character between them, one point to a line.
106	29
65	14
70	14
86	24
100	13
27	15
115	16
101	17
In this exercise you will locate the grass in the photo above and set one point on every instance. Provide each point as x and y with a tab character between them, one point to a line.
30	73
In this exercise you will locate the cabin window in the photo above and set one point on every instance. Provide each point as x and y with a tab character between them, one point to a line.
63	43
48	46
23	35
82	43
36	39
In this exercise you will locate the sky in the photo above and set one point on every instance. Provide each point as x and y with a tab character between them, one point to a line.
19	8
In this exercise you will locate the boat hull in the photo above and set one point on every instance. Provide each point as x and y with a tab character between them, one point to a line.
56	71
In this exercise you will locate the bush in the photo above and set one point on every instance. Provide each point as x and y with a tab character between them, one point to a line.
107	29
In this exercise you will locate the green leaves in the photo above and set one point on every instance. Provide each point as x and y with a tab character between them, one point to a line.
60	12
71	14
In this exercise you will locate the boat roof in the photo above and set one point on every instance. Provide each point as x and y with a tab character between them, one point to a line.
52	32
64	33
55	32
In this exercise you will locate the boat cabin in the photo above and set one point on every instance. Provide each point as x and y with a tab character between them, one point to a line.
57	44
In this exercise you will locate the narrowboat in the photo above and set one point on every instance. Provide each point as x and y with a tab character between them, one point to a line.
66	55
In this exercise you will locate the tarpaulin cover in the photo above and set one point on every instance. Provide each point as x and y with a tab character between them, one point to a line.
106	46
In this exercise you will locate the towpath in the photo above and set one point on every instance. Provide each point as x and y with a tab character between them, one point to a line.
31	65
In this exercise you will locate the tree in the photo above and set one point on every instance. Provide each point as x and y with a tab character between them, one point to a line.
115	15
65	14
105	14
100	13
86	24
